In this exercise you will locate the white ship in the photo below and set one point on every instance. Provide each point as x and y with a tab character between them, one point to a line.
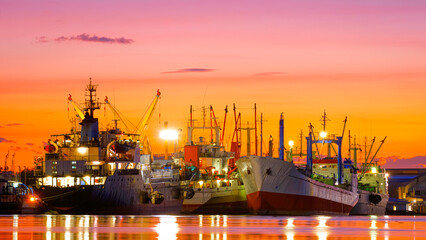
274	186
138	189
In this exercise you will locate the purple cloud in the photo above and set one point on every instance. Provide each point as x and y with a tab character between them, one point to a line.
265	74
4	140
88	38
14	124
42	39
186	70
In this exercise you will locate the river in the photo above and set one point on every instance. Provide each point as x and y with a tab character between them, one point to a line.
210	227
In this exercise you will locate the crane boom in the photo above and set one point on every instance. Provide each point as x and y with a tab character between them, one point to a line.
147	117
76	107
117	113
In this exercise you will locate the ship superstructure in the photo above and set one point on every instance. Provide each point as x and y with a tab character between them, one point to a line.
215	185
76	161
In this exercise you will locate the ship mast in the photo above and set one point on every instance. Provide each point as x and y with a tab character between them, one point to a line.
91	105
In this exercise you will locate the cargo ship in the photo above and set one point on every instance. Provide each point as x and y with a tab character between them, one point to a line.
138	189
76	162
279	187
214	183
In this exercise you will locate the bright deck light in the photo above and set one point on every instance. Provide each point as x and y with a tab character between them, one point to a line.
82	150
169	134
291	143
374	170
323	134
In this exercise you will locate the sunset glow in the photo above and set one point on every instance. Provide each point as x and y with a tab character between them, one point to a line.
362	59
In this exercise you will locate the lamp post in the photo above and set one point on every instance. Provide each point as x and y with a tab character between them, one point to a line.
290	153
166	135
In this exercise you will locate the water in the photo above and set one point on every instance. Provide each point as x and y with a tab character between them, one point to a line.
210	227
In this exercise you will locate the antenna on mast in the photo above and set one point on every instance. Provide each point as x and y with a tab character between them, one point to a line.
324	120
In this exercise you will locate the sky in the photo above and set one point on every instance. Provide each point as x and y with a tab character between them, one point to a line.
362	59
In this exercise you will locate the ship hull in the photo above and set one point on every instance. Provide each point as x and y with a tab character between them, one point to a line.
130	194
277	187
229	200
66	199
366	207
10	204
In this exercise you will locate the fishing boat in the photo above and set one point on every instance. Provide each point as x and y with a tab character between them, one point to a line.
275	186
372	183
76	162
373	192
214	183
16	197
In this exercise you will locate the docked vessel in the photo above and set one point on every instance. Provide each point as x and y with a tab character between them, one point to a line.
139	189
214	184
372	185
373	193
15	198
77	161
275	186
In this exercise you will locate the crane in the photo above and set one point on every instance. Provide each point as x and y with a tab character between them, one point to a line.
77	108
116	112
5	161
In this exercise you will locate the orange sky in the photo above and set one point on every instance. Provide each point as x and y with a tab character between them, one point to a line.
358	59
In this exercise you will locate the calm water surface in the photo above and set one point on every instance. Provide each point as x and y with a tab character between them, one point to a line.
210	227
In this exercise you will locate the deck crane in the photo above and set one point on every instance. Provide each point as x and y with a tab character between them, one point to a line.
365	167
116	112
142	126
223	130
212	117
77	108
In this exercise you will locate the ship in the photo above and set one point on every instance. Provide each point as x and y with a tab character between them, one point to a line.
139	189
77	161
278	187
16	198
214	183
372	187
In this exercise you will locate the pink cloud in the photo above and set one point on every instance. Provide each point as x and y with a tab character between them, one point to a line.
186	70
399	162
87	38
4	140
14	124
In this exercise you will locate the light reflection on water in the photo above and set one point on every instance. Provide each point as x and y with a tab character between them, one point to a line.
210	227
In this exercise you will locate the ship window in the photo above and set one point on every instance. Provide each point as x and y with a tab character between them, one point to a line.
73	167
73	162
54	162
